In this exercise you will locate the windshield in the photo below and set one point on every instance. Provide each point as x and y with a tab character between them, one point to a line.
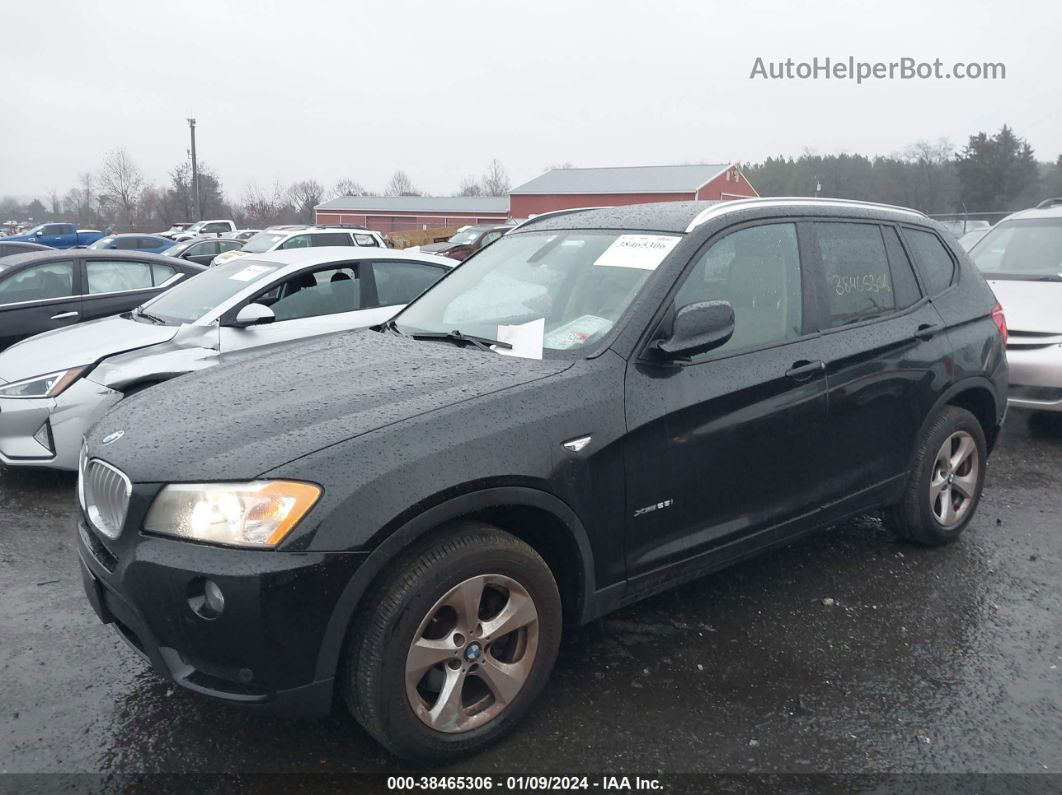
103	242
196	298
465	236
195	227
34	230
262	242
569	288
1021	249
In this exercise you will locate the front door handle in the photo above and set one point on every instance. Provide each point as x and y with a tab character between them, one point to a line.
64	316
926	331
803	370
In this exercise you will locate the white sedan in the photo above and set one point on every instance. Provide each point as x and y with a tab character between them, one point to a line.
54	386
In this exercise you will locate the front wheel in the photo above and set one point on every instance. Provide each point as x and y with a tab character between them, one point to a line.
456	645
945	482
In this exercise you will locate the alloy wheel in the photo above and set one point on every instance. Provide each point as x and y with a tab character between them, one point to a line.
953	483
472	653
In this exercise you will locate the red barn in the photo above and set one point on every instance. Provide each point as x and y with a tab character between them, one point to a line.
411	213
562	188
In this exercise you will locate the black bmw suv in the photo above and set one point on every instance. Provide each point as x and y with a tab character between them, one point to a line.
602	404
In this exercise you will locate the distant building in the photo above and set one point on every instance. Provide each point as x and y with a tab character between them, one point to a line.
563	188
410	213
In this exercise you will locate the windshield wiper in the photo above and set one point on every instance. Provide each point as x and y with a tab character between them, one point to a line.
390	325
1052	277
456	336
153	318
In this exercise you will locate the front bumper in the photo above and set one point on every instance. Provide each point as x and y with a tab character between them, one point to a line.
68	416
261	651
1035	378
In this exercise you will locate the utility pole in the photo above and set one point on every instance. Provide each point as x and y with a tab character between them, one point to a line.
195	173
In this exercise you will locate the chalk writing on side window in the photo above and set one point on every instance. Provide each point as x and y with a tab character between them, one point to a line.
867	283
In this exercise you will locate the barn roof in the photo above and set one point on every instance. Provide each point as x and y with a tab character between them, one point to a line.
628	179
419	204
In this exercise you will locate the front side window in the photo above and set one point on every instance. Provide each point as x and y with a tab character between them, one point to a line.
202	249
932	259
298	241
401	282
1029	249
116	277
576	284
127	242
103	242
856	268
323	292
50	230
39	283
756	270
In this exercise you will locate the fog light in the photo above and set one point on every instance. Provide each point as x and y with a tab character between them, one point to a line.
43	437
205	598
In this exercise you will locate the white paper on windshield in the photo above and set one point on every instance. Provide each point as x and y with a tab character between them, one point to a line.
250	273
526	339
637	251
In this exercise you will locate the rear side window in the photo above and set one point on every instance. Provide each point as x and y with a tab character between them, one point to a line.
117	277
904	283
932	259
856	268
332	239
401	282
127	242
757	270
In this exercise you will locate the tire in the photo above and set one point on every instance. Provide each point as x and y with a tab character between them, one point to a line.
405	710
935	484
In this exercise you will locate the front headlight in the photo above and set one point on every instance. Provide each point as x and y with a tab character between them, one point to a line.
43	386
257	514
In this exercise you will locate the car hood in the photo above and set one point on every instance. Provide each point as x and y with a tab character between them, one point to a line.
84	343
437	248
241	420
1030	306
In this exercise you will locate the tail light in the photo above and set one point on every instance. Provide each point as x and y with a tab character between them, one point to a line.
1001	321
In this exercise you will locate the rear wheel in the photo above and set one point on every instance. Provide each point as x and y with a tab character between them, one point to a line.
945	481
455	647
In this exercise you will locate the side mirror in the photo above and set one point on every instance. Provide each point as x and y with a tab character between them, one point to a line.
698	328
251	315
40	233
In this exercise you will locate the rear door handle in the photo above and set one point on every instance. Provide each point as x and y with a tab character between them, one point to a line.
64	316
803	370
926	331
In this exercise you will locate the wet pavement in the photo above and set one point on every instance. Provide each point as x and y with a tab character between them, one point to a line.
846	652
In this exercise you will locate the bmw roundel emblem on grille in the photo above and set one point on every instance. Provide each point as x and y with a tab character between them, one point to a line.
110	438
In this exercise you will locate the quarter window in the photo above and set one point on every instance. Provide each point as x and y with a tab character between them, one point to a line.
365	240
39	283
856	268
160	274
116	277
933	260
757	270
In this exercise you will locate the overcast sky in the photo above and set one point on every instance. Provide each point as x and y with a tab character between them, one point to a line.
329	90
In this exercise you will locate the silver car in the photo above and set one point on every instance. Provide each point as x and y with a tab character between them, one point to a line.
54	386
1022	259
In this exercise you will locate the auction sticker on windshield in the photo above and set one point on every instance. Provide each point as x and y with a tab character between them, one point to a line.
250	273
637	251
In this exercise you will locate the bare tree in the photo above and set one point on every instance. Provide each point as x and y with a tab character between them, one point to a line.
121	183
496	181
470	187
401	185
305	196
80	201
348	187
556	166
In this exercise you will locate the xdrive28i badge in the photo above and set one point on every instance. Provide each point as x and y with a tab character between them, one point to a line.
110	438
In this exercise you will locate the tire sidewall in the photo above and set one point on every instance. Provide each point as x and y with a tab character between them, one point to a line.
402	723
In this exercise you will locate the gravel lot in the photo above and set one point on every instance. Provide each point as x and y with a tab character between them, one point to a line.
845	653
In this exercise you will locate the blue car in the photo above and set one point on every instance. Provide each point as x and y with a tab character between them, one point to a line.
154	244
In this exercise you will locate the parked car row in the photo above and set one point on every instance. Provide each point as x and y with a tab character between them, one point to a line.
595	407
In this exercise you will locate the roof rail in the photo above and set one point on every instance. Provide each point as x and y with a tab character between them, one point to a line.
339	226
732	205
1049	203
551	214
